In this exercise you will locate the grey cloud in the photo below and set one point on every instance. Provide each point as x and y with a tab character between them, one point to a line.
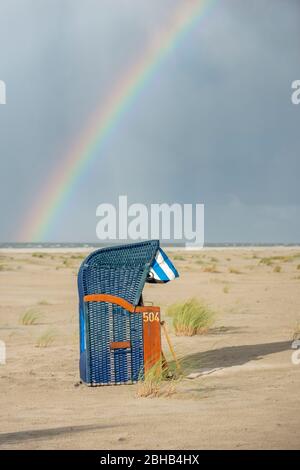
215	124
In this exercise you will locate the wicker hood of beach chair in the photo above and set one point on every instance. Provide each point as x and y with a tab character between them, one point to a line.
119	337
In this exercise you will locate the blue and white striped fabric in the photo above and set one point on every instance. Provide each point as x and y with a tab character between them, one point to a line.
162	269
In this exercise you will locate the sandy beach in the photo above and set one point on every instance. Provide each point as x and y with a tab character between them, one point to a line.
245	396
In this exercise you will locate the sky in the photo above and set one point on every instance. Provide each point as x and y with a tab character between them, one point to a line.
214	125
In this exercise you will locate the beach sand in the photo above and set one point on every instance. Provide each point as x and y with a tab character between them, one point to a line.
246	396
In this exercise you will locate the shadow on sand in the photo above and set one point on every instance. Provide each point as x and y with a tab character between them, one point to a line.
231	356
21	436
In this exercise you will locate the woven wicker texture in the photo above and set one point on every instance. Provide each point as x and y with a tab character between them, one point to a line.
119	271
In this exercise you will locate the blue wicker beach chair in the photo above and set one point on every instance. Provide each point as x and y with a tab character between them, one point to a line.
119	337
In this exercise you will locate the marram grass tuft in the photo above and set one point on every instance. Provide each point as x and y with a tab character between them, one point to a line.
190	317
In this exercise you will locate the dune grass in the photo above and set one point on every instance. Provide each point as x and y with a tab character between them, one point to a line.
277	269
154	383
150	384
70	262
79	256
46	339
285	259
179	258
190	317
210	269
30	317
38	254
226	289
44	302
234	270
266	261
67	262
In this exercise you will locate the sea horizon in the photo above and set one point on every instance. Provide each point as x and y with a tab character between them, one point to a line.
81	246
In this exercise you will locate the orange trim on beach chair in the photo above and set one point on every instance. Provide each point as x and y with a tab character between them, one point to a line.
151	327
113	299
120	345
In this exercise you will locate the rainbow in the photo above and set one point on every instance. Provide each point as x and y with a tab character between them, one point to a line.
57	191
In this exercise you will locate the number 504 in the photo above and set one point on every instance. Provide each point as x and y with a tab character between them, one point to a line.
150	316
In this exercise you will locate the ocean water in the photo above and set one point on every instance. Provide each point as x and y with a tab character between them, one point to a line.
69	246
